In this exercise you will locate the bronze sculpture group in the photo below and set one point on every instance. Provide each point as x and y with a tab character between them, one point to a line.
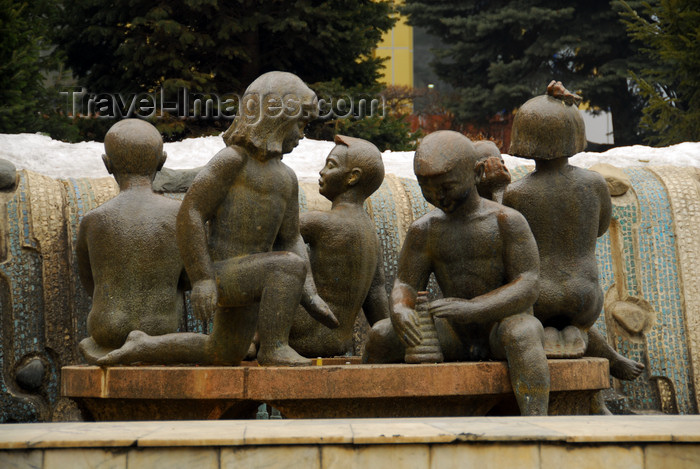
505	270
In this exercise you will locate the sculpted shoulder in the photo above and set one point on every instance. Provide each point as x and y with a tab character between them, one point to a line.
91	217
508	218
502	210
291	177
518	184
290	172
225	163
420	229
103	213
429	219
159	202
516	189
592	178
172	204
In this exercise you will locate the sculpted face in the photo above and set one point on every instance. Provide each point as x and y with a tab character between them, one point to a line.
447	191
272	114
294	132
333	175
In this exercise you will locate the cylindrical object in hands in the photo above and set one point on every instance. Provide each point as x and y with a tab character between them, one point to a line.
428	351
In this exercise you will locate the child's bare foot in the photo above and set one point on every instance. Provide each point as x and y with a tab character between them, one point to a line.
552	342
624	368
252	352
127	353
598	406
92	351
283	355
575	340
568	343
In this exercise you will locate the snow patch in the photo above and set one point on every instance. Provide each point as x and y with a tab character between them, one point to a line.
58	159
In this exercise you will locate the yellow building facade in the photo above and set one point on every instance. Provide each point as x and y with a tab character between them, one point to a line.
397	47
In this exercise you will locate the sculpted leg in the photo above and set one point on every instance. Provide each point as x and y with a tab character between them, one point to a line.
275	280
280	298
383	345
227	344
266	286
620	367
520	338
175	348
233	331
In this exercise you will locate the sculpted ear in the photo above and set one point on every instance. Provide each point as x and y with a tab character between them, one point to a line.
479	170
354	176
108	163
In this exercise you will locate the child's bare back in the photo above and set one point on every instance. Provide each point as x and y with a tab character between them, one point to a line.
126	295
581	215
127	252
343	278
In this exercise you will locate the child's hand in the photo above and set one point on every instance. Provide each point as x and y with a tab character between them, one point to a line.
204	298
320	311
456	309
406	325
495	172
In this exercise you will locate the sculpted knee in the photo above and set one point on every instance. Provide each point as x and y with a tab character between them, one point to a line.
292	264
380	331
521	330
383	346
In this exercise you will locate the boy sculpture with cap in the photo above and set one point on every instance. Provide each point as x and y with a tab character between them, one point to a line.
485	261
127	253
344	250
567	208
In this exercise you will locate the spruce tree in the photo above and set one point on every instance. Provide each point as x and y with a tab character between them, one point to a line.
221	46
669	34
499	54
217	47
23	50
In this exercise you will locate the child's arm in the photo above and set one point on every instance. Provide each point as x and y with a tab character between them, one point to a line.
413	273
522	264
376	304
81	251
289	239
605	206
208	190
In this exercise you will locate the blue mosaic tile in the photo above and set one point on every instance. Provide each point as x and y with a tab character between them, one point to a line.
24	333
664	350
385	219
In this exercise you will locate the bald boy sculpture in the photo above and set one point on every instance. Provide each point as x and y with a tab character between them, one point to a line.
128	258
238	232
345	254
485	260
